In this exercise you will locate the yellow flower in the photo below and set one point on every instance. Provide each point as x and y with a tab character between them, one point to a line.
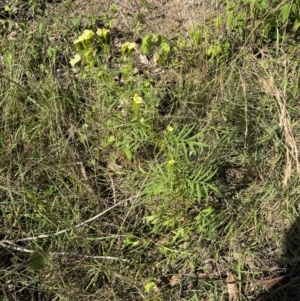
103	32
137	99
170	129
171	163
75	60
86	36
127	48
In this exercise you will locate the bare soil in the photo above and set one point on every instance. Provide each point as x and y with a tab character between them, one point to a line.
168	17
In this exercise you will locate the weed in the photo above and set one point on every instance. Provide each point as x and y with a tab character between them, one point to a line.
138	166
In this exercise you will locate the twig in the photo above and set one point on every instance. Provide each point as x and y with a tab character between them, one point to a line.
270	283
112	187
9	245
83	171
265	297
295	279
11	80
283	263
69	229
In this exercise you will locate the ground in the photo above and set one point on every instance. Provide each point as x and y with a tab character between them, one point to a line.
141	179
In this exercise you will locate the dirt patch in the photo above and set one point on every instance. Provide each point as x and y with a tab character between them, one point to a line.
168	17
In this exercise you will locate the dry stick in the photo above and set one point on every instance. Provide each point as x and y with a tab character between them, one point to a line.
283	263
112	187
295	279
77	226
265	297
11	80
270	283
10	245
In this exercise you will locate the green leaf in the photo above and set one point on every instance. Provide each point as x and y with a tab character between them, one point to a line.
111	139
199	194
186	131
127	152
192	187
163	54
208	211
113	9
40	28
285	10
75	22
147	44
38	259
165	47
156	57
296	26
150	218
160	40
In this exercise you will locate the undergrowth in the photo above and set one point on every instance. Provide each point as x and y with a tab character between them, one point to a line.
139	167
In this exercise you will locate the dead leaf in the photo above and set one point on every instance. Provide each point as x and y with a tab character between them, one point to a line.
162	241
271	283
189	287
248	259
233	290
184	245
280	265
143	59
114	166
174	280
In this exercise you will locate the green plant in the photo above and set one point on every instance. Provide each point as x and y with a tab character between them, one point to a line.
145	181
173	183
218	50
261	20
158	44
86	49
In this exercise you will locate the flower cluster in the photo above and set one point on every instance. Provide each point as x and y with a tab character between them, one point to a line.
86	36
84	46
137	100
127	48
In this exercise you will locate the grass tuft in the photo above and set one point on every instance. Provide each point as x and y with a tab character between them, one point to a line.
139	164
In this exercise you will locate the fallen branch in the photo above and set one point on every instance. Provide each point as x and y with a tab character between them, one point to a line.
12	245
69	229
9	245
283	263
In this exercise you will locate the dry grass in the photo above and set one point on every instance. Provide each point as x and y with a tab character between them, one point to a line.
92	206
